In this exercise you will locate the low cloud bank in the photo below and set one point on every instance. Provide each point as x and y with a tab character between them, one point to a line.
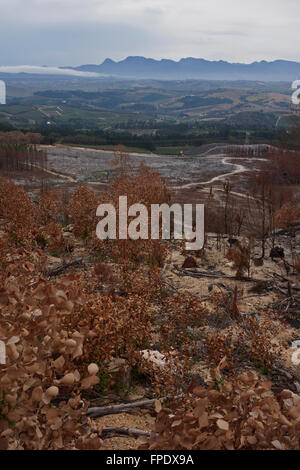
45	70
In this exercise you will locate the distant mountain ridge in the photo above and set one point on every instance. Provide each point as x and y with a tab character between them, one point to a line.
192	68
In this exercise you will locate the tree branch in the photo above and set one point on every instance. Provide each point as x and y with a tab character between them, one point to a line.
129	432
59	269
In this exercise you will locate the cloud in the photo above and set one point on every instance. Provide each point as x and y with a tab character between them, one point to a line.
45	70
75	44
91	30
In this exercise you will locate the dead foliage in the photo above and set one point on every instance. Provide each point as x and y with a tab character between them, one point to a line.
241	258
242	414
39	367
63	335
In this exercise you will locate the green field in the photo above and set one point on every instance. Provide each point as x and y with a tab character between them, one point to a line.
146	115
125	104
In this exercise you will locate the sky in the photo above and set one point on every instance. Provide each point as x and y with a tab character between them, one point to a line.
76	32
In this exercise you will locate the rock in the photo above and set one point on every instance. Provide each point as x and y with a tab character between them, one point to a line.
277	252
155	357
189	262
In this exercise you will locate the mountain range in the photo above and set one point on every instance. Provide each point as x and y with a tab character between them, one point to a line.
192	68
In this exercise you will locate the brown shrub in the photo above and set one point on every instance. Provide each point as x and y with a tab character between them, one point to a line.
243	414
19	213
82	209
145	187
40	384
287	215
241	259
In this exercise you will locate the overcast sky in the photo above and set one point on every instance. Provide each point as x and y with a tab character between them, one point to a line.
75	32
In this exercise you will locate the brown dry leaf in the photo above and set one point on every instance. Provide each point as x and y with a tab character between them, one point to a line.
59	363
199	392
222	424
37	394
68	379
89	443
56	424
158	406
28	266
277	445
100	429
176	423
203	421
89	382
252	440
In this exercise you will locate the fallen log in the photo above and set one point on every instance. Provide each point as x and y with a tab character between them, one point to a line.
216	275
97	411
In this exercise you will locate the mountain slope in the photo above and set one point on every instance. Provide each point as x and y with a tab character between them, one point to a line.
191	68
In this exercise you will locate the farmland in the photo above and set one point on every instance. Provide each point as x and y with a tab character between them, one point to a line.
101	103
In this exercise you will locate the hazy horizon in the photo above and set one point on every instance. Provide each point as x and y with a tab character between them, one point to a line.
63	69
